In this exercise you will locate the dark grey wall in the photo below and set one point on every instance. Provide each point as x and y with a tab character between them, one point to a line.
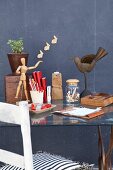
81	27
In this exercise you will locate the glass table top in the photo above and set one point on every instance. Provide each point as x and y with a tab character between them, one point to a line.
53	118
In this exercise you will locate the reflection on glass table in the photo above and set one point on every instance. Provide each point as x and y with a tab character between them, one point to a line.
53	118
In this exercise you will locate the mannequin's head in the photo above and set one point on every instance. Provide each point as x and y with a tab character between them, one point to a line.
23	61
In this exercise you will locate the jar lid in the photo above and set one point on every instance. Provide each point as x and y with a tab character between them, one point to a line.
72	81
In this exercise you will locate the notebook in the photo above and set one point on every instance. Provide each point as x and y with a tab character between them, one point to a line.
81	112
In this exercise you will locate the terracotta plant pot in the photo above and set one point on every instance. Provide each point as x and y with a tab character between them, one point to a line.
14	60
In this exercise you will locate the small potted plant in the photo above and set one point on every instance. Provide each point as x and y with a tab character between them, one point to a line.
17	47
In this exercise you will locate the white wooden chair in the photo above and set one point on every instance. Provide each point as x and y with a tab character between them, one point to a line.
20	115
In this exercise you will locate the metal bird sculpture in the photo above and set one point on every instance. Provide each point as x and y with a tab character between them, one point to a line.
87	63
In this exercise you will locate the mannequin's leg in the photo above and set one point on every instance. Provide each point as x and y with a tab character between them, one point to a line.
25	90
18	89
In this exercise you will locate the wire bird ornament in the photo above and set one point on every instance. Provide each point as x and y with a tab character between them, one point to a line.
86	65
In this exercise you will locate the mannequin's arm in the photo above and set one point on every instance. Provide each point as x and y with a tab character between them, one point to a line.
18	70
35	66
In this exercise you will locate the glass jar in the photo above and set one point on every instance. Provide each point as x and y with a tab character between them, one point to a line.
72	91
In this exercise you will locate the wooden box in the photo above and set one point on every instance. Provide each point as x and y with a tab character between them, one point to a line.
11	83
98	100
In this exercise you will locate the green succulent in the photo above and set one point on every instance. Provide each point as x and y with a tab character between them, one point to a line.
17	46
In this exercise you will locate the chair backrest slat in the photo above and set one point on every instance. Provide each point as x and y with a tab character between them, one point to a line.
9	157
10	113
18	115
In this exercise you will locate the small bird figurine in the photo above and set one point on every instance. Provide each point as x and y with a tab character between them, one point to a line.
47	46
86	64
40	55
54	40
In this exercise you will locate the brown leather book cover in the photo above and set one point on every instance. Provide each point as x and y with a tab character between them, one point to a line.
97	100
93	115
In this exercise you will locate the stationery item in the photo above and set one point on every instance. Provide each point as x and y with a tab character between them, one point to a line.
34	76
85	113
44	86
38	78
32	84
76	111
37	87
37	96
48	94
35	80
57	91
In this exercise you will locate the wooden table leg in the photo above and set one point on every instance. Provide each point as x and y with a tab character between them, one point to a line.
104	159
101	157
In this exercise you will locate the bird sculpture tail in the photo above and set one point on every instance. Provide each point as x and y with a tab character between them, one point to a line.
100	53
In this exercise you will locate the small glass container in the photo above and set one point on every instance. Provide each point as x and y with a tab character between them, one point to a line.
72	91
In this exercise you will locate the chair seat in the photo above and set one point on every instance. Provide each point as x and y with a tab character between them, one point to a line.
46	161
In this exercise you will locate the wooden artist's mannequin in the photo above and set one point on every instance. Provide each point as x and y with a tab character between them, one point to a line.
22	71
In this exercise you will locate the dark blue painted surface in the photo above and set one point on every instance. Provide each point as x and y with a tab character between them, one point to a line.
81	27
74	142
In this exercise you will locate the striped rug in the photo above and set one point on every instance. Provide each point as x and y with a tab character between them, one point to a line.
46	161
